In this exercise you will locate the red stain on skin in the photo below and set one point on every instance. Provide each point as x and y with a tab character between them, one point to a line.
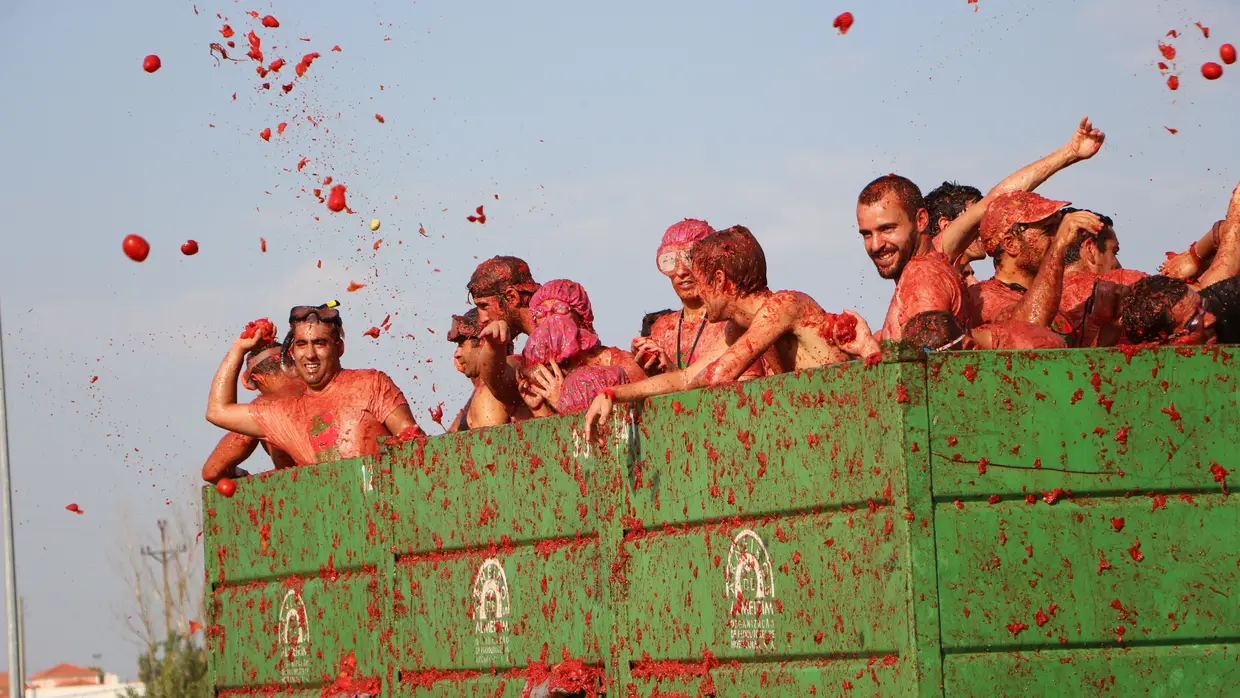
151	63
480	218
75	509
265	134
1117	524
1211	71
353	286
271	22
189	248
379	118
843	22
1168	51
1173	83
135	247
335	200
372	332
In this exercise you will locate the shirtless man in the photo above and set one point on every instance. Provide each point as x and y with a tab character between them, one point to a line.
482	409
894	226
677	340
342	413
729	269
500	289
1029	236
938	330
945	203
264	372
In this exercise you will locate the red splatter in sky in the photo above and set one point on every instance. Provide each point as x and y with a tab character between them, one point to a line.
1173	34
1205	31
1172	131
1173	83
136	247
1168	51
353	286
302	163
1211	70
276	65
263	243
194	626
151	63
75	509
377	243
270	22
379	118
227	31
306	60
372	332
280	128
843	22
335	200
336	48
93	379
480	218
1227	53
265	134
436	414
189	248
287	88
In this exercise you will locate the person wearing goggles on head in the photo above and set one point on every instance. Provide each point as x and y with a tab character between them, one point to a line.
678	339
266	372
343	413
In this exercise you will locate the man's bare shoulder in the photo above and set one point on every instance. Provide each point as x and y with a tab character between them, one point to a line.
664	324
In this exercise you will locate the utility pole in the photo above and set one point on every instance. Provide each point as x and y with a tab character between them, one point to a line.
17	680
164	554
21	634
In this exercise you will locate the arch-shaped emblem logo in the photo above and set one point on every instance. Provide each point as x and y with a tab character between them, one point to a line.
491	610
749	588
293	634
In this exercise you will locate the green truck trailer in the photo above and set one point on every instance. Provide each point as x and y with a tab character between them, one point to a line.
1051	523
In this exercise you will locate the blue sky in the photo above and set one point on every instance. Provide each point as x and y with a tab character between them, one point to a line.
596	126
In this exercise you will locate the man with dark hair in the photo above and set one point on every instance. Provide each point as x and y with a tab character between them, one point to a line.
471	355
501	288
945	204
343	413
729	268
938	330
649	319
264	372
896	230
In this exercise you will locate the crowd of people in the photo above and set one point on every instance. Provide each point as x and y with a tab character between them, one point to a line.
1057	283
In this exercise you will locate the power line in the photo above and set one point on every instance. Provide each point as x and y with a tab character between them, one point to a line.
164	554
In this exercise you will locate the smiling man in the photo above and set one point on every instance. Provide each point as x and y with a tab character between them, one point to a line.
343	413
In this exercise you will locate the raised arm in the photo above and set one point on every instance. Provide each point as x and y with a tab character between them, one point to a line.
222	408
401	424
1226	263
1085	142
231	451
774	320
1040	303
498	374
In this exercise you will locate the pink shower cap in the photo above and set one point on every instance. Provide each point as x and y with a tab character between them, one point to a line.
563	323
686	232
583	384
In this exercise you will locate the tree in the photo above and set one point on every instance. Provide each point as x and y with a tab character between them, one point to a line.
174	668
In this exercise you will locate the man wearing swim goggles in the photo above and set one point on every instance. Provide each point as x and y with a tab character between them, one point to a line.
677	339
343	413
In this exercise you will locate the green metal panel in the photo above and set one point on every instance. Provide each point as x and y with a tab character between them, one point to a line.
843	531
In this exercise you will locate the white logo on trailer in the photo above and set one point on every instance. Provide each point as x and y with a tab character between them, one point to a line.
749	588
492	608
294	638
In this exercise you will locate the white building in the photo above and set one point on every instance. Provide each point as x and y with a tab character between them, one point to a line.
69	681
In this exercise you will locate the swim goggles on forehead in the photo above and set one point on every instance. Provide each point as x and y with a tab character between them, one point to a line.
669	257
325	313
550	307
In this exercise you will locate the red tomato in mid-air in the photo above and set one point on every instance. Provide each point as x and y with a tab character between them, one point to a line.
1212	71
135	247
844	22
335	200
1228	53
189	248
225	486
151	63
